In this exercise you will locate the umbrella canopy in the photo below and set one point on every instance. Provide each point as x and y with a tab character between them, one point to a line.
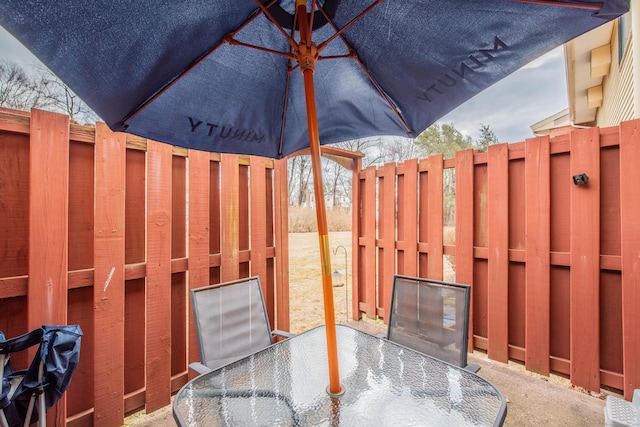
181	73
220	75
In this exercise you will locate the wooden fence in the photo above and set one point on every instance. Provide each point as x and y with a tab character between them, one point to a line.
109	231
554	266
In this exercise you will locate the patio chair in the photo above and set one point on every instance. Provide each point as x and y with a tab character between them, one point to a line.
620	413
431	317
231	323
27	394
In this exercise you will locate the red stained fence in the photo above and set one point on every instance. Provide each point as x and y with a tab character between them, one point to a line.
109	231
554	267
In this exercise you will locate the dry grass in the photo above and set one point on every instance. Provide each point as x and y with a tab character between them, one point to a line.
305	279
303	220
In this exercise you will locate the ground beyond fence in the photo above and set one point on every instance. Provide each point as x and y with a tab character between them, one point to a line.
94	231
554	266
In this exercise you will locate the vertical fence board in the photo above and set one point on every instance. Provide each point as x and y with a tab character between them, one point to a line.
408	219
48	218
14	209
269	217
179	277
48	227
14	236
81	206
243	219
611	343
585	260
198	235
367	280
215	218
629	208
355	235
498	258
436	215
158	337
282	244
259	231
178	203
230	209
80	395
108	289
537	256
135	253
135	209
464	226
387	236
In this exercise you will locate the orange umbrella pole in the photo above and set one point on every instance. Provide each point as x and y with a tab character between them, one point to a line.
307	55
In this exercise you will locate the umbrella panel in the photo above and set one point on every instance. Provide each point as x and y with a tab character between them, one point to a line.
427	56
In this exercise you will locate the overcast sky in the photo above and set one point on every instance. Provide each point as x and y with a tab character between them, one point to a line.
509	107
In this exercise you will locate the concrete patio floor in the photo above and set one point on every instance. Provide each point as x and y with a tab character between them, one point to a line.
532	400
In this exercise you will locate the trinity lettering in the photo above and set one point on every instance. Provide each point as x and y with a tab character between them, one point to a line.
229	133
464	70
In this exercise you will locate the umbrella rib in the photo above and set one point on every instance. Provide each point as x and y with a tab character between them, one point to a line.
284	107
266	12
384	95
235	42
348	25
593	6
354	56
227	39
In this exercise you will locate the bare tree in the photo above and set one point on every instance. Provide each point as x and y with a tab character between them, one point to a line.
337	179
22	90
299	169
63	99
19	90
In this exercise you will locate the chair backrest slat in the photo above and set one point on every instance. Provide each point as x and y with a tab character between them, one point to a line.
231	321
431	317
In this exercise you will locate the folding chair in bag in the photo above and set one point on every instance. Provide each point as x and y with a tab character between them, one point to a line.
231	323
431	317
27	394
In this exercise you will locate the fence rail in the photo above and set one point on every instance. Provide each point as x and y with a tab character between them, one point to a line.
109	231
554	266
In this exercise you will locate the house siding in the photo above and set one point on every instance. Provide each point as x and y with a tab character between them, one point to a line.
617	103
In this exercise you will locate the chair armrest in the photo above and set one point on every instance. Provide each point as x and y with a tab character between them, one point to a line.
199	368
284	334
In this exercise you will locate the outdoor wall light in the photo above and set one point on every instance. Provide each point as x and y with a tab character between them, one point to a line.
580	179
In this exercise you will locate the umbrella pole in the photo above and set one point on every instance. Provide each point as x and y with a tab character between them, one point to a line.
306	57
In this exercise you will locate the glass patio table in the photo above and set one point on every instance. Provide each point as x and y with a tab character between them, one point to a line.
383	384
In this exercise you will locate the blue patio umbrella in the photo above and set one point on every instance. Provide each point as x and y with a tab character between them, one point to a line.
225	76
